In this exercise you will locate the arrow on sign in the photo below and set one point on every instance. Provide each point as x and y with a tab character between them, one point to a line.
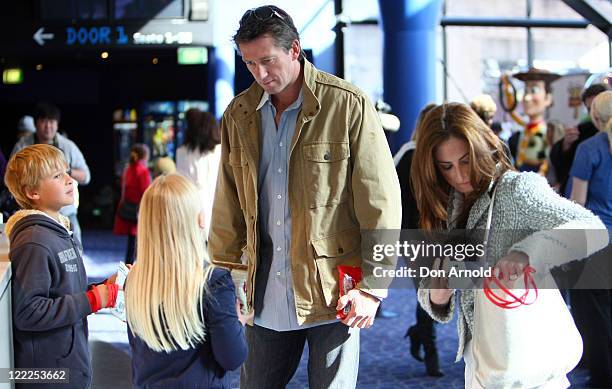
40	36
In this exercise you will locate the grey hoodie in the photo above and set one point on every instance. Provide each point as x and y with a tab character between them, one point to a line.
50	305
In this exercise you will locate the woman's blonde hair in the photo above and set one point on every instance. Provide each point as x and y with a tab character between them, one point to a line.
601	113
487	160
165	287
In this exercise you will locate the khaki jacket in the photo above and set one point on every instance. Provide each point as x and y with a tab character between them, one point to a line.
341	179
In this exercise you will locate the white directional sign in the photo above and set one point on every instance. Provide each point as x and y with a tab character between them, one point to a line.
40	36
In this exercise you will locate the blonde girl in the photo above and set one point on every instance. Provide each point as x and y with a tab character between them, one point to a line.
184	325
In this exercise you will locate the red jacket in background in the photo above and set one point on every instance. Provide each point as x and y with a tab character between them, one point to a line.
136	179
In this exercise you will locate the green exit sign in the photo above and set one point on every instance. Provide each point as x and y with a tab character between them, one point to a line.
12	76
192	55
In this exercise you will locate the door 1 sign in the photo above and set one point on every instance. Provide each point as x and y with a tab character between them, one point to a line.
40	36
102	35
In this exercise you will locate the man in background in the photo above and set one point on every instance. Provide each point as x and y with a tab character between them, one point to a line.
562	152
46	121
25	127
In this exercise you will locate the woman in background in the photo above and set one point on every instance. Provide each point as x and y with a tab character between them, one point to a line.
555	131
135	180
592	187
485	108
184	323
198	158
163	166
423	333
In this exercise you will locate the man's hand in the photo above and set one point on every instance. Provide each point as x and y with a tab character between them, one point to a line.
363	308
571	135
241	317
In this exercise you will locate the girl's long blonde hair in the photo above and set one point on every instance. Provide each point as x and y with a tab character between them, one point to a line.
164	288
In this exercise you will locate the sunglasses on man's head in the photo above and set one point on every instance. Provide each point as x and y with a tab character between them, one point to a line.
262	14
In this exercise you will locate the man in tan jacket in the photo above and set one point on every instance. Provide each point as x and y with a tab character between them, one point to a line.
306	174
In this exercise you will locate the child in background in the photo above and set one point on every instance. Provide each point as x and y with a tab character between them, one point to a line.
51	299
134	181
163	165
184	323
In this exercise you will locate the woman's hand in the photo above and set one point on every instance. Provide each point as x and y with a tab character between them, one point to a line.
580	190
440	296
511	267
439	292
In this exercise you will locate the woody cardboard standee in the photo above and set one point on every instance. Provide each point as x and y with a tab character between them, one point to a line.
529	146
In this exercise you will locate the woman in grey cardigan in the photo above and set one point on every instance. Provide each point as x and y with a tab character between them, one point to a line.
457	164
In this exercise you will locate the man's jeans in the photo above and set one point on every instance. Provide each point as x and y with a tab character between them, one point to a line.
333	358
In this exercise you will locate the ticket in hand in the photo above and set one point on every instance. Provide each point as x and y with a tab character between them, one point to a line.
239	274
239	279
119	309
348	278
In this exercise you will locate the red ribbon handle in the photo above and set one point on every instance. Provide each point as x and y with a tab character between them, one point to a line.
514	301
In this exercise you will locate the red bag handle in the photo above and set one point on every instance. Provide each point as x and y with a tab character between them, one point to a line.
514	301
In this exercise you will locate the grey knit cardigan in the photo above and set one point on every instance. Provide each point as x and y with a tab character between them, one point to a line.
524	203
